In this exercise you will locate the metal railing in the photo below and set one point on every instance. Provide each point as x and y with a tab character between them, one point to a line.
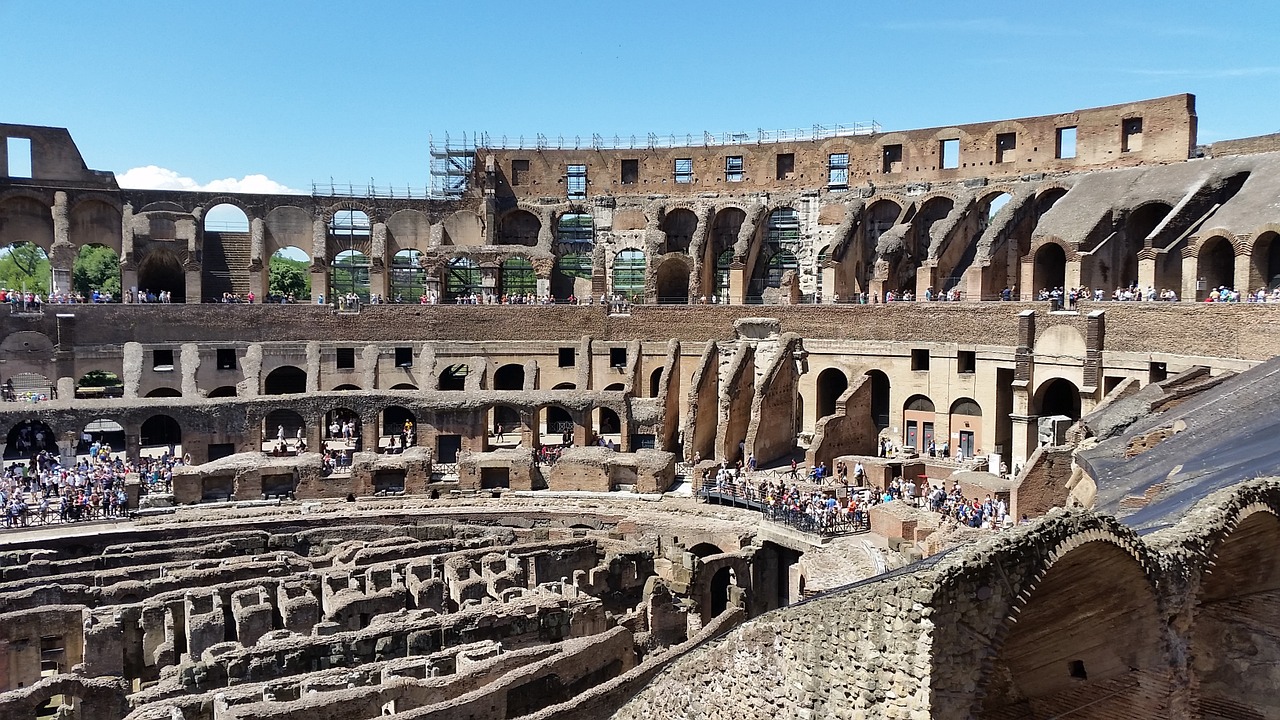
370	190
654	141
824	523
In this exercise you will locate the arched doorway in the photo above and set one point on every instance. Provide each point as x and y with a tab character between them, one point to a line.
343	430
628	273
103	432
285	424
285	380
224	391
95	274
349	275
655	382
289	276
164	392
720	583
160	434
1217	264
557	425
454	377
966	427
519	227
918	423
505	428
879	398
160	271
678	226
572	276
509	377
408	279
1059	396
1266	262
517	277
28	438
1050	269
401	424
224	226
673	282
832	383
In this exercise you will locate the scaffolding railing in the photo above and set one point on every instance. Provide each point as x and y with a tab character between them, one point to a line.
368	190
653	141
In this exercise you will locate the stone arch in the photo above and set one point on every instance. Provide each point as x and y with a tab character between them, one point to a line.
628	273
1086	640
28	438
164	392
504	425
104	431
463	228
565	386
1216	262
26	220
1264	259
519	227
282	421
678	227
655	382
223	391
880	398
672	279
509	377
1057	396
285	226
397	420
343	418
1049	268
285	380
454	377
726	224
160	431
408	229
831	384
346	387
918	422
556	422
95	220
160	270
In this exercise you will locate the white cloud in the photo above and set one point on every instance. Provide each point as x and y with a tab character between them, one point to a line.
153	177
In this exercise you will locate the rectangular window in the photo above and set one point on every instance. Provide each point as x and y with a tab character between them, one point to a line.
19	153
162	360
967	362
518	170
892	159
838	170
1006	147
618	357
1157	372
226	359
568	357
1066	149
404	357
346	359
630	172
684	170
950	152
1131	135
576	181
919	359
786	165
733	168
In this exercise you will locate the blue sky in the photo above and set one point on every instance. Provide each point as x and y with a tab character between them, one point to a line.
296	92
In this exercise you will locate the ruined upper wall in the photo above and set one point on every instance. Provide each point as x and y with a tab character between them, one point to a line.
54	158
1166	132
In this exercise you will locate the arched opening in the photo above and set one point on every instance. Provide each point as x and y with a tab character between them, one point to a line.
399	428
454	377
879	398
655	382
225	218
160	271
346	387
673	282
505	427
572	275
678	226
408	279
724	262
565	386
724	236
99	384
519	227
161	431
1217	264
404	386
223	226
615	387
289	276
517	277
509	377
918	423
95	274
832	383
966	427
557	425
775	255
720	583
24	266
349	275
103	433
1104	660
462	279
882	215
820	262
282	430
1143	221
779	263
705	550
628	273
1050	270
343	429
783	228
164	392
608	427
1266	262
1235	624
285	380
576	230
29	438
224	391
1059	396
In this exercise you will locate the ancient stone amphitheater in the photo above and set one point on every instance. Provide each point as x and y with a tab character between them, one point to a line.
737	298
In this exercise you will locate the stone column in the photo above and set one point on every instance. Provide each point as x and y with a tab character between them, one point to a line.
489	278
379	263
62	255
259	267
128	268
320	260
313	367
187	230
1191	279
1028	272
737	282
1243	272
1072	273
1147	268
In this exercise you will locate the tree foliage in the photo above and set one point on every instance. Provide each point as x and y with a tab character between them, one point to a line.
289	277
25	266
96	268
99	378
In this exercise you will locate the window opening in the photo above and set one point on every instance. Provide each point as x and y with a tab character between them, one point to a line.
19	153
568	357
838	170
630	172
919	359
1131	135
346	358
518	170
733	168
967	362
684	170
576	181
892	159
617	357
786	165
950	151
1006	147
404	357
162	360
226	359
1066	143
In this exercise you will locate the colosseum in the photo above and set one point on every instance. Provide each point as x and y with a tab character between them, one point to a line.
961	422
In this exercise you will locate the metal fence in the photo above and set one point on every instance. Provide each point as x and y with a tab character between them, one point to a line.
823	523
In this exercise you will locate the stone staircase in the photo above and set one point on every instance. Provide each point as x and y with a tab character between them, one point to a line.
226	263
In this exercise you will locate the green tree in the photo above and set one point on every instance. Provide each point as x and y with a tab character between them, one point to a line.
25	266
99	378
96	268
289	277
